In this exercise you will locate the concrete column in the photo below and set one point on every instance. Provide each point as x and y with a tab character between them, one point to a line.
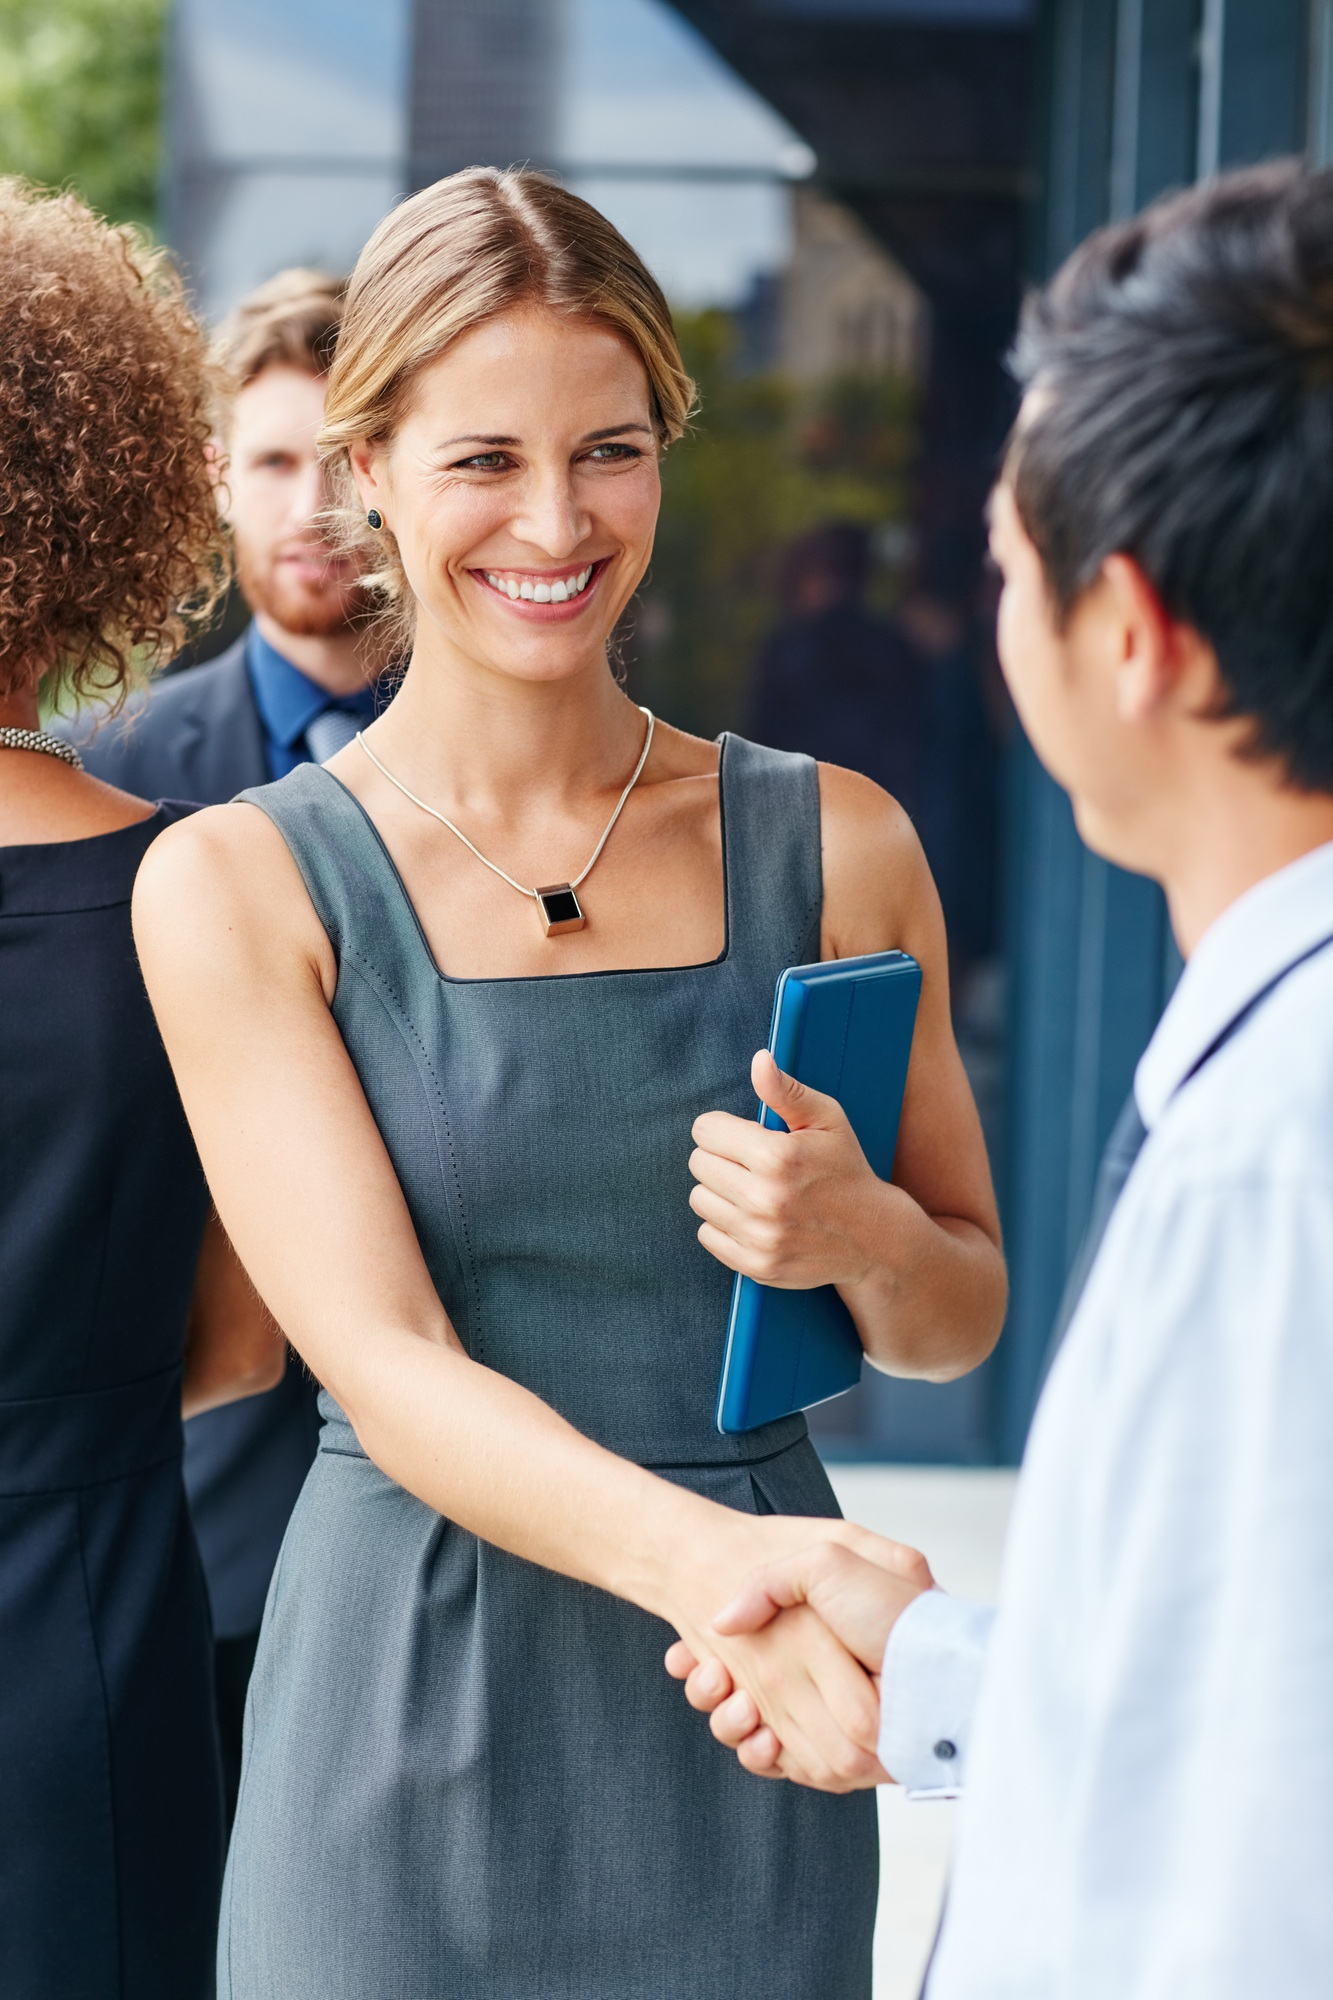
483	85
293	128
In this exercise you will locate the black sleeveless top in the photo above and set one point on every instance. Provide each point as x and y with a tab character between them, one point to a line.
111	1833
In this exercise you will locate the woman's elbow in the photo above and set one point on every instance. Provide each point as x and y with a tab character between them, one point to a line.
952	1331
267	1370
976	1330
234	1377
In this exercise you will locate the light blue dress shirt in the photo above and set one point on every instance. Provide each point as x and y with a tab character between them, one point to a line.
1144	1732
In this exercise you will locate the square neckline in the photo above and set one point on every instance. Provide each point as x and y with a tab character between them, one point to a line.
547	978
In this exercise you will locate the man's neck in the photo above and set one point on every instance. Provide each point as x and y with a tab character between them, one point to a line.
1237	838
339	662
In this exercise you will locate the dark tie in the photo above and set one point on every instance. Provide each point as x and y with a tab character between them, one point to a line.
1122	1149
329	733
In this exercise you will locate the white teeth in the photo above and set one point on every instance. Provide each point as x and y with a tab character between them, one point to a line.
559	592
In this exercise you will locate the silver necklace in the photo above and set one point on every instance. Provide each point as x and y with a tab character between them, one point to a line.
39	739
558	903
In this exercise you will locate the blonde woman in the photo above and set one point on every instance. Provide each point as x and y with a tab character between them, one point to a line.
444	1014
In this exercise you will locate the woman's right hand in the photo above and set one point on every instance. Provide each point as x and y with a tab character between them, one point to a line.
858	1592
820	1702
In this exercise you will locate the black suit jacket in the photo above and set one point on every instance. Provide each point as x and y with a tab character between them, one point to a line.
197	735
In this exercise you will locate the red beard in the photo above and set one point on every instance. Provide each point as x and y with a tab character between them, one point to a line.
308	610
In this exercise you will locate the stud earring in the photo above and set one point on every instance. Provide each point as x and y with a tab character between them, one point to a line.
375	519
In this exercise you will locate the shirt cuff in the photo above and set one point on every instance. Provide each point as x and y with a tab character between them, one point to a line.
932	1671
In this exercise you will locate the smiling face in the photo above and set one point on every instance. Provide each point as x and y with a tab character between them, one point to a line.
522	490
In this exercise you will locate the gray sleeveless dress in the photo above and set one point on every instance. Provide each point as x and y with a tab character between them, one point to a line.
467	1778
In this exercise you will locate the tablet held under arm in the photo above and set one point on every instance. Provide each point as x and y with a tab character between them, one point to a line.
845	1029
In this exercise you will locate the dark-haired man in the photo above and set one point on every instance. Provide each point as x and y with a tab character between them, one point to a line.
293	687
1144	1732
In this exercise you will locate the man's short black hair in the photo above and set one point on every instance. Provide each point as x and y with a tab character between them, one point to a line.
1182	365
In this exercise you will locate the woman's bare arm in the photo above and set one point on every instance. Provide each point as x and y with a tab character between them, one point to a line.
233	1347
918	1261
241	975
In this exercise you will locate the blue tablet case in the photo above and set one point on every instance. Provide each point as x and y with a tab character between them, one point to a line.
845	1028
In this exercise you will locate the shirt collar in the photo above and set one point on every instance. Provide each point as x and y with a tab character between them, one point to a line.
288	700
1243	951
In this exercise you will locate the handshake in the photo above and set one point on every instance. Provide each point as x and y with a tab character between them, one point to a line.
789	1669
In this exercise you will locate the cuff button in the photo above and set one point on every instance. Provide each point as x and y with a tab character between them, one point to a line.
945	1750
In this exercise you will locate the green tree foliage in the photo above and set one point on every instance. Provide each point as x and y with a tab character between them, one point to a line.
763	462
81	99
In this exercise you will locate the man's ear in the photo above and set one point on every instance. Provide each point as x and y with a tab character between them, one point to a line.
1152	647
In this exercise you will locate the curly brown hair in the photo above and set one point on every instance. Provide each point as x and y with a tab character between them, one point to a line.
110	539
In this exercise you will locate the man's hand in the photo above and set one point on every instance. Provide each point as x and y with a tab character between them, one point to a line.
858	1596
818	1699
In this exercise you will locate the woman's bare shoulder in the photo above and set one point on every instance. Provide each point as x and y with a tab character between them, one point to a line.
860	813
225	875
213	850
878	891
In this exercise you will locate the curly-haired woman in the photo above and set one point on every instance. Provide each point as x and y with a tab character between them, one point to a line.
122	1302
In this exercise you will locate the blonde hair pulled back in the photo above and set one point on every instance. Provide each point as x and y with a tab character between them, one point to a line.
473	246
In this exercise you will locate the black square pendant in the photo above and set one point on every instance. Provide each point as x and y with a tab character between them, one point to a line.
560	909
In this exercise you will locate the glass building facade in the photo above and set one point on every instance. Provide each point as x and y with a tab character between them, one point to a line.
845	198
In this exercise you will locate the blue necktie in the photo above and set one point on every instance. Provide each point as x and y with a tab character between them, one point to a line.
331	731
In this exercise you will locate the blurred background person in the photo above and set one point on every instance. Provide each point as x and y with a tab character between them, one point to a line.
898	699
122	1302
833	679
966	720
294	686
